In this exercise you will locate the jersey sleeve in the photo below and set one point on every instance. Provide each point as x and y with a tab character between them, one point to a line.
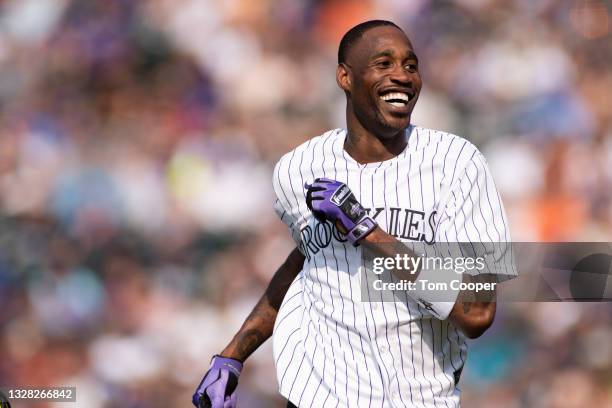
474	218
285	210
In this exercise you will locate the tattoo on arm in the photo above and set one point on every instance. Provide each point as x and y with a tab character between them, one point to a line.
255	330
248	342
258	326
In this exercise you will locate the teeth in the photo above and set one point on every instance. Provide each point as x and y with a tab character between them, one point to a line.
395	96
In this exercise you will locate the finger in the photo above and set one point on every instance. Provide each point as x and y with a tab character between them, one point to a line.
224	381
323	187
195	399
232	383
319	216
230	402
316	184
205	383
319	180
318	196
320	187
315	188
216	391
315	203
323	183
204	402
216	400
312	194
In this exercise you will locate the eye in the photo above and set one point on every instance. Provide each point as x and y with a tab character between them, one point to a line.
383	64
412	67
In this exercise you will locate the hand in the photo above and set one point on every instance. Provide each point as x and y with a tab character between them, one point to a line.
334	201
218	387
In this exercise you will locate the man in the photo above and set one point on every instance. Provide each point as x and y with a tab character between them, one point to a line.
380	182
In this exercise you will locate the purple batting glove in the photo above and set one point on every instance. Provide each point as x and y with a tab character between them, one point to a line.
334	201
218	387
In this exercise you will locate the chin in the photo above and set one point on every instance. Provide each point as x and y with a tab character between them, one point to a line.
390	123
400	123
393	125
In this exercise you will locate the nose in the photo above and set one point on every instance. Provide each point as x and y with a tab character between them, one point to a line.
401	76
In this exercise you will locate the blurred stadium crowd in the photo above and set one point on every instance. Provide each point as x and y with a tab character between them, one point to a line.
137	140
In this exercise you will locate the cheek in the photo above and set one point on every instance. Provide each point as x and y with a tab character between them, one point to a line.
365	95
366	85
417	81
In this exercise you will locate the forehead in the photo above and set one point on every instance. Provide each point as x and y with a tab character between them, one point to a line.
379	39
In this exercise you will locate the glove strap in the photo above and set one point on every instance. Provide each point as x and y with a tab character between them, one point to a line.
360	230
219	363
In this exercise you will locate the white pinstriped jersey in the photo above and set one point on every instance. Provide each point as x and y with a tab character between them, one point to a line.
330	348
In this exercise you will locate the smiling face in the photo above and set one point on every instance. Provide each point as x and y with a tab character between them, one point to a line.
382	81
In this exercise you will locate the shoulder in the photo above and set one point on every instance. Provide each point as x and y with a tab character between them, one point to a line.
451	154
296	155
287	178
448	147
444	140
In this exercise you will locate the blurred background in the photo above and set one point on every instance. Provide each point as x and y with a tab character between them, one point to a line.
137	141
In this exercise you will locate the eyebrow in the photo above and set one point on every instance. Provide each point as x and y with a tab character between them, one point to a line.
389	53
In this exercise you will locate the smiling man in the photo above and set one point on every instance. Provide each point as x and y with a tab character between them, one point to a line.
380	181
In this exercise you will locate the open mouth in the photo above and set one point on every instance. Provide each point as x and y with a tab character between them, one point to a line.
396	99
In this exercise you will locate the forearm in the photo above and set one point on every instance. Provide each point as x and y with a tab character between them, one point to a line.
258	326
472	314
385	245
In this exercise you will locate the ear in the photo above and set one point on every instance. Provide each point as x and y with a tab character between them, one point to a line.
343	77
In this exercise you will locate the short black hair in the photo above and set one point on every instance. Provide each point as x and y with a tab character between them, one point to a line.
350	38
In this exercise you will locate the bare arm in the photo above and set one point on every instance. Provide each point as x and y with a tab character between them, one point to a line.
473	315
257	327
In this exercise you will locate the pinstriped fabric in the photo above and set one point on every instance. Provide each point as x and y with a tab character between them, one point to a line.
331	347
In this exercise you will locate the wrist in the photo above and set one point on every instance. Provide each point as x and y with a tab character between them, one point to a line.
231	353
375	236
226	363
361	230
